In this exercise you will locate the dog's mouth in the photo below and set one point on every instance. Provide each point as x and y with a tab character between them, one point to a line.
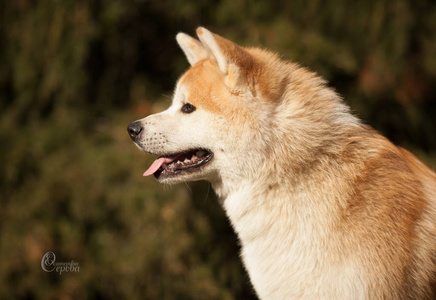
173	165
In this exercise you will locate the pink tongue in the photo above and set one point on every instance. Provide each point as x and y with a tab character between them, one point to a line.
157	164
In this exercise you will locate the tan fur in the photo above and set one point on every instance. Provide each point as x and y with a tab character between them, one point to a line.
324	206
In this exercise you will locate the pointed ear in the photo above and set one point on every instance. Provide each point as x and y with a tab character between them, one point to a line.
192	48
210	41
232	60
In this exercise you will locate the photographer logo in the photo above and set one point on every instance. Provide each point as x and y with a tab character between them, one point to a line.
49	264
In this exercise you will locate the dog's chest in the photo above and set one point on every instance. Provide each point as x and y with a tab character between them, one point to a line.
286	254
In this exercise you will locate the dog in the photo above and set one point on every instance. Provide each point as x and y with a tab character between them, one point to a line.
323	205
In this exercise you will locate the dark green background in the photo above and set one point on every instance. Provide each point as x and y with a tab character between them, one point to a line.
74	74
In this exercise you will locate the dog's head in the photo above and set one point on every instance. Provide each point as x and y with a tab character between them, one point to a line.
215	125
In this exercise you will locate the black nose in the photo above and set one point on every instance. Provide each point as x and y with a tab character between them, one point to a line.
134	129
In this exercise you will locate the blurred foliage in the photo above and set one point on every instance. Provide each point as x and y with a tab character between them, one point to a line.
74	73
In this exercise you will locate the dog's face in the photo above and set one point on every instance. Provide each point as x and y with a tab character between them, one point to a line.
191	135
215	111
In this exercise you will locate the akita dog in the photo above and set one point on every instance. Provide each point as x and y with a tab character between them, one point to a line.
323	205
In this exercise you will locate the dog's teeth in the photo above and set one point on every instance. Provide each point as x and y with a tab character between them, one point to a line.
179	162
186	160
194	157
200	153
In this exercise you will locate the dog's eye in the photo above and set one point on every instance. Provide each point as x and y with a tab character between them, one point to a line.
188	108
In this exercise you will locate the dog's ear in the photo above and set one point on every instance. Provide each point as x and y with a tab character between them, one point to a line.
193	49
233	61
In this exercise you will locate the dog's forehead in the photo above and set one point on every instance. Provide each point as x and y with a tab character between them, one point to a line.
202	85
204	71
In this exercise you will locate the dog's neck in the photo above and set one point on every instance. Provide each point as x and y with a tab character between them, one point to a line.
301	190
